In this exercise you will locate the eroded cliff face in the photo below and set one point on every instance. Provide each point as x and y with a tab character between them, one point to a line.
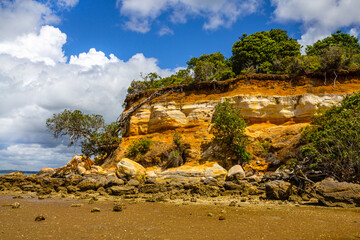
275	111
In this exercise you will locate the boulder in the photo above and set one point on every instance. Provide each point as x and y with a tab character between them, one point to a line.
112	180
46	171
75	166
197	172
237	172
122	190
333	193
131	169
80	170
278	189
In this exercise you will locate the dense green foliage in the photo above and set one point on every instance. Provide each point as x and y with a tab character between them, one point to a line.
343	40
228	129
96	137
260	49
139	148
333	143
272	52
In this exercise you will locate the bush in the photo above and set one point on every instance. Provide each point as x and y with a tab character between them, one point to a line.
228	129
139	148
333	142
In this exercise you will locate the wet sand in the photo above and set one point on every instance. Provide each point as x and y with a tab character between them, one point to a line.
145	220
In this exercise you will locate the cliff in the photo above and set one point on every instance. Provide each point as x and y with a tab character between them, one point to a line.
275	108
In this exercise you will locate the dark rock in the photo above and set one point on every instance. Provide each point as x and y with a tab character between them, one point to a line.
278	189
151	181
72	189
92	183
122	190
39	218
222	217
150	188
117	208
112	180
333	193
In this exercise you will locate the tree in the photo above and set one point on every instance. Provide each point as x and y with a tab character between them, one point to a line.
339	39
228	129
209	67
262	48
96	137
332	144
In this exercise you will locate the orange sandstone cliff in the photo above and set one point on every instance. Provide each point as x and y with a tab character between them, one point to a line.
275	107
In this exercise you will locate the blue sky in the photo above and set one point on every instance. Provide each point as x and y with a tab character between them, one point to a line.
83	54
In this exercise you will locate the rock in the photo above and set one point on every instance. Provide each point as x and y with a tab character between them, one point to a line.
15	174
46	171
39	218
210	214
193	199
232	204
15	205
92	183
77	205
41	197
222	217
131	169
236	171
133	182
113	180
191	172
72	167
333	193
95	209
80	170
117	208
278	189
151	174
122	190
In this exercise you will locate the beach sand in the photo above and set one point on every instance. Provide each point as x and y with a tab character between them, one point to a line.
146	220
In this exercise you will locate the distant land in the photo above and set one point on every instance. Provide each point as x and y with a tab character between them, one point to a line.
4	172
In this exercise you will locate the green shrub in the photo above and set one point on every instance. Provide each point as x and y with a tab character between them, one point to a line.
228	129
139	148
333	142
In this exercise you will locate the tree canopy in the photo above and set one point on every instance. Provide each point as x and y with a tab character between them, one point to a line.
96	137
339	39
262	48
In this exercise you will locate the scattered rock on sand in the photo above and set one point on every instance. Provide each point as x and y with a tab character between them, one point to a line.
77	205
236	171
15	205
117	208
39	218
222	217
95	209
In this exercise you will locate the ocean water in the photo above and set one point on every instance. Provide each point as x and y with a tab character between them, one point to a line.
26	173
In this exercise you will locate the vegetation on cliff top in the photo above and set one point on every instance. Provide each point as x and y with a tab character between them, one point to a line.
271	52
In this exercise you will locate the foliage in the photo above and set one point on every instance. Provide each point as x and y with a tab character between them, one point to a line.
97	137
209	67
333	143
228	129
139	148
349	43
262	48
177	139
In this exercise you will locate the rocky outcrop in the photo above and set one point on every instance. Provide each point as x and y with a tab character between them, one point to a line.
131	169
333	193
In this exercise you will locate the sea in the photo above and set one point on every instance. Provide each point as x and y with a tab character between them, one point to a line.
26	173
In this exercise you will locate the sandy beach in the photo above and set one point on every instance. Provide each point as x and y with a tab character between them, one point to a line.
171	220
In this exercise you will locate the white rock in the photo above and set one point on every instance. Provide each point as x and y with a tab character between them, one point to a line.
236	170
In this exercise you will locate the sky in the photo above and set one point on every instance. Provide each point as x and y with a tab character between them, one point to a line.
83	54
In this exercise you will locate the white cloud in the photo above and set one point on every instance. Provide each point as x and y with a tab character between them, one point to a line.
217	13
319	18
67	3
166	31
43	47
93	58
20	17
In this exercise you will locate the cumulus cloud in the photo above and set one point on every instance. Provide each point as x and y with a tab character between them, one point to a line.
67	3
217	13
20	17
319	18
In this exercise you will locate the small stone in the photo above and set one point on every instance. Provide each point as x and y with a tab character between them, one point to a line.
15	205
39	218
222	217
91	201
193	199
41	197
77	205
232	204
210	214
117	208
95	209
222	211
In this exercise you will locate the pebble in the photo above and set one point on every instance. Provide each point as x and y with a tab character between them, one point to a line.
210	214
15	205
77	205
95	209
222	217
193	199
39	218
117	208
222	211
232	204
